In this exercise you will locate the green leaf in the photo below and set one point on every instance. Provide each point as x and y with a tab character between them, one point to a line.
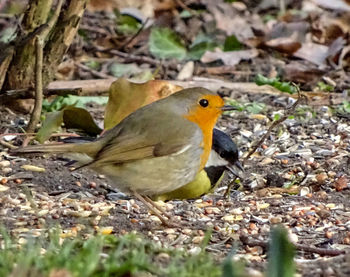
93	64
324	87
238	106
61	102
276	83
200	45
51	124
186	14
72	117
281	254
166	44
79	118
197	51
276	117
232	44
255	107
126	70
127	25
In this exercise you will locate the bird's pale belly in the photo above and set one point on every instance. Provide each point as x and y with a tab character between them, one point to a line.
155	175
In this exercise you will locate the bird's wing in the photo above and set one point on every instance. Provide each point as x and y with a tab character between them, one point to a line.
133	142
131	149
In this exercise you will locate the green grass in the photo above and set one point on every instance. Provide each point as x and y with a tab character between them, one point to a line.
101	255
127	255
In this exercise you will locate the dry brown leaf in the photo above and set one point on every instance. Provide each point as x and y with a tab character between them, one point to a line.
340	5
230	57
313	52
230	21
126	97
298	72
284	44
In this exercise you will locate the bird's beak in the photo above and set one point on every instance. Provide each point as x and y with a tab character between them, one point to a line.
228	108
236	169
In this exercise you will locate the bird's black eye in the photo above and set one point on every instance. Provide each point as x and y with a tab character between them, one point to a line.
204	103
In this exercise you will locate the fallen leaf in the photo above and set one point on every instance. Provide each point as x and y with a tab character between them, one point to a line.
284	44
299	72
52	122
72	117
340	5
126	97
80	118
166	44
230	21
313	52
186	72
230	57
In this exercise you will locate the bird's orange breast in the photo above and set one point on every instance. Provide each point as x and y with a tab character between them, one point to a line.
206	120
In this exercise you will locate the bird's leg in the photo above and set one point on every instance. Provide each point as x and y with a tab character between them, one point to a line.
228	190
152	207
159	207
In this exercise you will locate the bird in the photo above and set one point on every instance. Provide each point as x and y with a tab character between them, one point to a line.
156	149
223	156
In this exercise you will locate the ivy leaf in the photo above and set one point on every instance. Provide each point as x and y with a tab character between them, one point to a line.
200	45
276	83
232	44
166	44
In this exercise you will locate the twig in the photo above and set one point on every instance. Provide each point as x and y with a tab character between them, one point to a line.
183	5
35	116
93	71
134	36
321	251
52	20
131	57
138	59
39	56
8	145
287	113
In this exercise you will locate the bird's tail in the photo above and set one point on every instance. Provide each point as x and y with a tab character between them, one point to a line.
53	148
84	153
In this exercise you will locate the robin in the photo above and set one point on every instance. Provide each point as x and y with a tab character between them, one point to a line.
154	150
223	156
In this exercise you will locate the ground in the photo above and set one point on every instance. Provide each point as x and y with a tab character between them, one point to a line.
299	177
